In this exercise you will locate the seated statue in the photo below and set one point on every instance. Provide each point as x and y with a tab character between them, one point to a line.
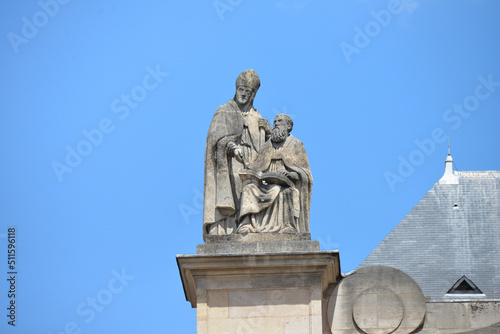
277	187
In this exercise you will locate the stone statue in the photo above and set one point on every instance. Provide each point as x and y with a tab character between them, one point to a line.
235	136
277	185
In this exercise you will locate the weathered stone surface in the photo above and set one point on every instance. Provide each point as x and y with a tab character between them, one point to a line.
259	247
493	329
260	311
266	293
257	271
257	237
462	317
236	133
257	179
448	317
378	310
484	313
379	300
277	185
255	243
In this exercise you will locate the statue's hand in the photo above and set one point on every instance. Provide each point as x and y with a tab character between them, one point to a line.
231	146
264	123
283	172
291	175
236	151
238	154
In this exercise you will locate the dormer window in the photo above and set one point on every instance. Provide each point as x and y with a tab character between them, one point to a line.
464	286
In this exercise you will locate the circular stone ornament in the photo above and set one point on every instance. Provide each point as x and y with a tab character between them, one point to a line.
376	300
378	311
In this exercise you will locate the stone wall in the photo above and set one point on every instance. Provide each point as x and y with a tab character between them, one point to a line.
283	311
457	317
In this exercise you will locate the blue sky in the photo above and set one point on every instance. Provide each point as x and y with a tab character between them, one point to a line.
106	107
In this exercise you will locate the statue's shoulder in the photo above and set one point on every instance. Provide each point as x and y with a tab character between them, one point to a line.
257	113
224	113
230	106
292	140
226	121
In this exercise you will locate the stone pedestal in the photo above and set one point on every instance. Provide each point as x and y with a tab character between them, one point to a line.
253	243
278	292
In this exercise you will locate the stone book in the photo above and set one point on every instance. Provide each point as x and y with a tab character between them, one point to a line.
266	177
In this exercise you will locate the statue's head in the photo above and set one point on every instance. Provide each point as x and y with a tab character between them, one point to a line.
283	125
247	84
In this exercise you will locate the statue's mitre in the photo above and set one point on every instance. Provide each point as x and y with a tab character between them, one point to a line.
248	78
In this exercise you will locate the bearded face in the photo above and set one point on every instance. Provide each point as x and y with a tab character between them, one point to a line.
279	133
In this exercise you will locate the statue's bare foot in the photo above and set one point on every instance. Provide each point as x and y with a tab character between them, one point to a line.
288	229
243	230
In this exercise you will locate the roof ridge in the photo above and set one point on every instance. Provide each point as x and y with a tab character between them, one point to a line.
493	173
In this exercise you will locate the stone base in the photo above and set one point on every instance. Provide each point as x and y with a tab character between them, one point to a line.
257	243
259	247
257	237
259	293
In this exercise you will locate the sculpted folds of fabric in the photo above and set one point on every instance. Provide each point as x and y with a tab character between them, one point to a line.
240	141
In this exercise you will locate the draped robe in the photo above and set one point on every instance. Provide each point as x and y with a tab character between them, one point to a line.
222	190
277	208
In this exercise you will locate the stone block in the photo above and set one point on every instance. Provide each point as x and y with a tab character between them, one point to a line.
446	316
256	237
289	303
217	303
252	325
248	303
297	325
484	314
455	317
270	247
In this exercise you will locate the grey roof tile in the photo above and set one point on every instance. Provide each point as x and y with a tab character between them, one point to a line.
453	231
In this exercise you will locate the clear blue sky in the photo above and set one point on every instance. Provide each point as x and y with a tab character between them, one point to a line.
374	88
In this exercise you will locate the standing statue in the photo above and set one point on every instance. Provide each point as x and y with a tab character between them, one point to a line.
235	137
278	183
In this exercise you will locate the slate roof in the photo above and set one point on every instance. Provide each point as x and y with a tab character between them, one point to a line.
453	231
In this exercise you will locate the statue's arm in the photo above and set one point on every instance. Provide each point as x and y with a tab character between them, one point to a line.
231	146
264	124
235	150
293	176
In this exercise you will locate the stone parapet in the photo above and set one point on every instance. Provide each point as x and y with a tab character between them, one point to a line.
259	293
253	243
297	246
